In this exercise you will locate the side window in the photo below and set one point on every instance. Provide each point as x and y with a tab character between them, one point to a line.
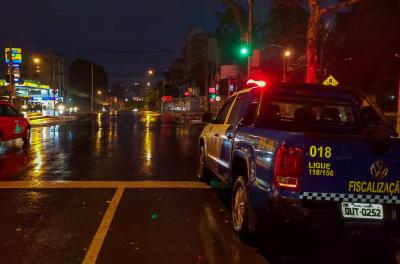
235	115
223	112
6	110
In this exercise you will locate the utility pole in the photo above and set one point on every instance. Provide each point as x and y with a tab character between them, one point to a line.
91	103
11	71
206	77
163	91
250	37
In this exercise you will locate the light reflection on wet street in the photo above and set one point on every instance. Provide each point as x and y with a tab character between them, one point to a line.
152	222
105	147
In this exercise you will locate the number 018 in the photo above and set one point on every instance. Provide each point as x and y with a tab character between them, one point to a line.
321	152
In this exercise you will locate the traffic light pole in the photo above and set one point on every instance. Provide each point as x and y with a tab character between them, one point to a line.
206	78
250	38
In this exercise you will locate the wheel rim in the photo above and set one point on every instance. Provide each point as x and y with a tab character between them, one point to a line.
239	208
200	165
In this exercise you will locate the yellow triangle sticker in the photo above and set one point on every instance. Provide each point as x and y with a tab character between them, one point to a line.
330	81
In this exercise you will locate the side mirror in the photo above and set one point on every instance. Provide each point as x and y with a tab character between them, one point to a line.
244	122
207	117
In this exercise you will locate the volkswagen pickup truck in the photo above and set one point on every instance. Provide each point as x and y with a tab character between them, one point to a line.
303	154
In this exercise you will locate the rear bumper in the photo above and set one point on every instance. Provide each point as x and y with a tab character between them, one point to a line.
326	215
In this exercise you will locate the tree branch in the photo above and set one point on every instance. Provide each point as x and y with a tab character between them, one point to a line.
237	13
338	6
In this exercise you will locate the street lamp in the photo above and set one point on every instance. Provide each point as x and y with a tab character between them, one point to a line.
36	61
150	72
286	56
99	92
148	84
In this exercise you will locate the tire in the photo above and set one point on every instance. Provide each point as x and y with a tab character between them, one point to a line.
26	139
240	209
203	172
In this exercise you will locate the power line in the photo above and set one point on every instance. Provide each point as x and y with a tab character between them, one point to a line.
98	50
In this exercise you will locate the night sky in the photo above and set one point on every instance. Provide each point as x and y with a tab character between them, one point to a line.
72	26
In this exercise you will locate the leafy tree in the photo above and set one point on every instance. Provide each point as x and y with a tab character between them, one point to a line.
229	31
80	76
317	12
363	56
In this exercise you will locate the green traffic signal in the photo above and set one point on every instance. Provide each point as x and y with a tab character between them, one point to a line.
244	51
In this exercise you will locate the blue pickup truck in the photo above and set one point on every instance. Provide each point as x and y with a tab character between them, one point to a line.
304	154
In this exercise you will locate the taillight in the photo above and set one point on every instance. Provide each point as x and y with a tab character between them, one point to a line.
288	168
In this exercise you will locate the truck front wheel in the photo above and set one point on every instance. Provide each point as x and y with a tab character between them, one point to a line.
240	209
203	172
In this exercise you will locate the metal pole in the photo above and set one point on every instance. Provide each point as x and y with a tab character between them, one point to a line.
250	38
11	70
284	67
162	102
91	103
206	78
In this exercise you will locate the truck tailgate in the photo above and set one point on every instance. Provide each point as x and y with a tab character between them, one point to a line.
351	168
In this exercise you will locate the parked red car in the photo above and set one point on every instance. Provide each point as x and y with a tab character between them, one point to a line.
13	124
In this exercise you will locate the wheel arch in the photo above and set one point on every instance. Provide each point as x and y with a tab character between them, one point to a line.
239	166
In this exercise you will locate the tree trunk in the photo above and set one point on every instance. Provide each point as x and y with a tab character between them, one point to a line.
312	33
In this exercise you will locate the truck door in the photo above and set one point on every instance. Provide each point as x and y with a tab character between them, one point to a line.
226	134
219	127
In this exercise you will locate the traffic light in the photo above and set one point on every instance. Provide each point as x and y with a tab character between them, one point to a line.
244	46
244	50
212	97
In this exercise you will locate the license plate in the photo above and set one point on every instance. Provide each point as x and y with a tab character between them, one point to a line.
362	210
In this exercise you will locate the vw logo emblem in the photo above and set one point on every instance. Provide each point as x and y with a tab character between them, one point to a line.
379	169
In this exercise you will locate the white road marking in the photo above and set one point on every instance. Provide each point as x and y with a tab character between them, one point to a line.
98	240
120	186
102	184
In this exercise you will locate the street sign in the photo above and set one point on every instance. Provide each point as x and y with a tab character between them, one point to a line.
16	55
229	72
330	81
167	98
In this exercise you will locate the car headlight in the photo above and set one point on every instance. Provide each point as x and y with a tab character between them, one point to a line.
60	108
135	110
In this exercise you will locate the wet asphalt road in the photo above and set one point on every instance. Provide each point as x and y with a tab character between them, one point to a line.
81	193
